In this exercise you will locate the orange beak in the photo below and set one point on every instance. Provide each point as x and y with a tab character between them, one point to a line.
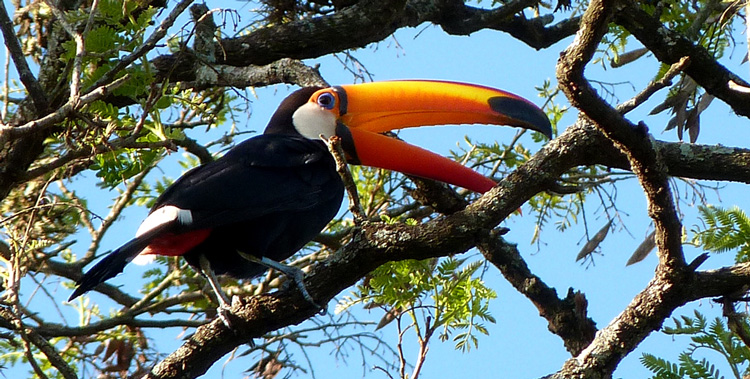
365	110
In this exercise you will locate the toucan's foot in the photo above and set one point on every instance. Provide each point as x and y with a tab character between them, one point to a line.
294	273
225	314
298	276
224	310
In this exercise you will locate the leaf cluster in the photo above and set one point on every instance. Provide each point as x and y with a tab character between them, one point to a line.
709	337
444	295
724	230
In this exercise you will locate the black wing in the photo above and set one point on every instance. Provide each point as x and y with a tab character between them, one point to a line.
263	175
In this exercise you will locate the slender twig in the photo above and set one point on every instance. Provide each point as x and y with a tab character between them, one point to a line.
58	330
79	38
6	88
30	335
30	355
126	142
165	283
75	85
400	347
355	206
19	60
654	86
51	119
117	209
61	18
85	213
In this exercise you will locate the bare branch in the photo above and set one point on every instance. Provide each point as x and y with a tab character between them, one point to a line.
334	147
653	86
566	317
635	141
669	47
8	132
9	320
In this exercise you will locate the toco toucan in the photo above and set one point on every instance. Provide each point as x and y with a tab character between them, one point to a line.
270	195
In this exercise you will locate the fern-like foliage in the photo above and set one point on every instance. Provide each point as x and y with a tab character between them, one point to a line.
443	296
662	368
725	230
715	337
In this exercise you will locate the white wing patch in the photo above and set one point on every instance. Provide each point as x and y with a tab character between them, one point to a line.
157	218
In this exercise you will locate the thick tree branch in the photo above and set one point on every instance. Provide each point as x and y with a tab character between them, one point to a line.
649	309
457	18
364	23
634	140
566	317
285	70
695	161
356	26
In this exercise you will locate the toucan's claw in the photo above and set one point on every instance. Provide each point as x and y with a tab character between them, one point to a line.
224	314
298	276
293	273
224	310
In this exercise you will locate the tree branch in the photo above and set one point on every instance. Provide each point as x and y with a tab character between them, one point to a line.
648	310
364	23
10	321
669	47
566	317
635	141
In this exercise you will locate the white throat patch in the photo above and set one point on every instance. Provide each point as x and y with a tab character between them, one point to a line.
310	120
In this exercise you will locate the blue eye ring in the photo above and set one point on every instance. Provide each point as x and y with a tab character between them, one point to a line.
326	100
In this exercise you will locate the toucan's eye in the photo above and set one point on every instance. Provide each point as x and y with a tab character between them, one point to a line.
326	100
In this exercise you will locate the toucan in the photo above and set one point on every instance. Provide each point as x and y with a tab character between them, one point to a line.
271	194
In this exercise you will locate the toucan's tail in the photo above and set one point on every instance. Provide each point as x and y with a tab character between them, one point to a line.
113	263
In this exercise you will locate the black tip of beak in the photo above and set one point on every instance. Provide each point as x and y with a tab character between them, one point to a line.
523	113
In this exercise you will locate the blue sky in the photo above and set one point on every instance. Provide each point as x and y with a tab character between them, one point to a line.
519	345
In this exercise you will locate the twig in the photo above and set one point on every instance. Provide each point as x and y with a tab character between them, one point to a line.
654	86
58	330
334	146
19	60
126	142
135	309
29	335
116	210
79	38
6	89
51	119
